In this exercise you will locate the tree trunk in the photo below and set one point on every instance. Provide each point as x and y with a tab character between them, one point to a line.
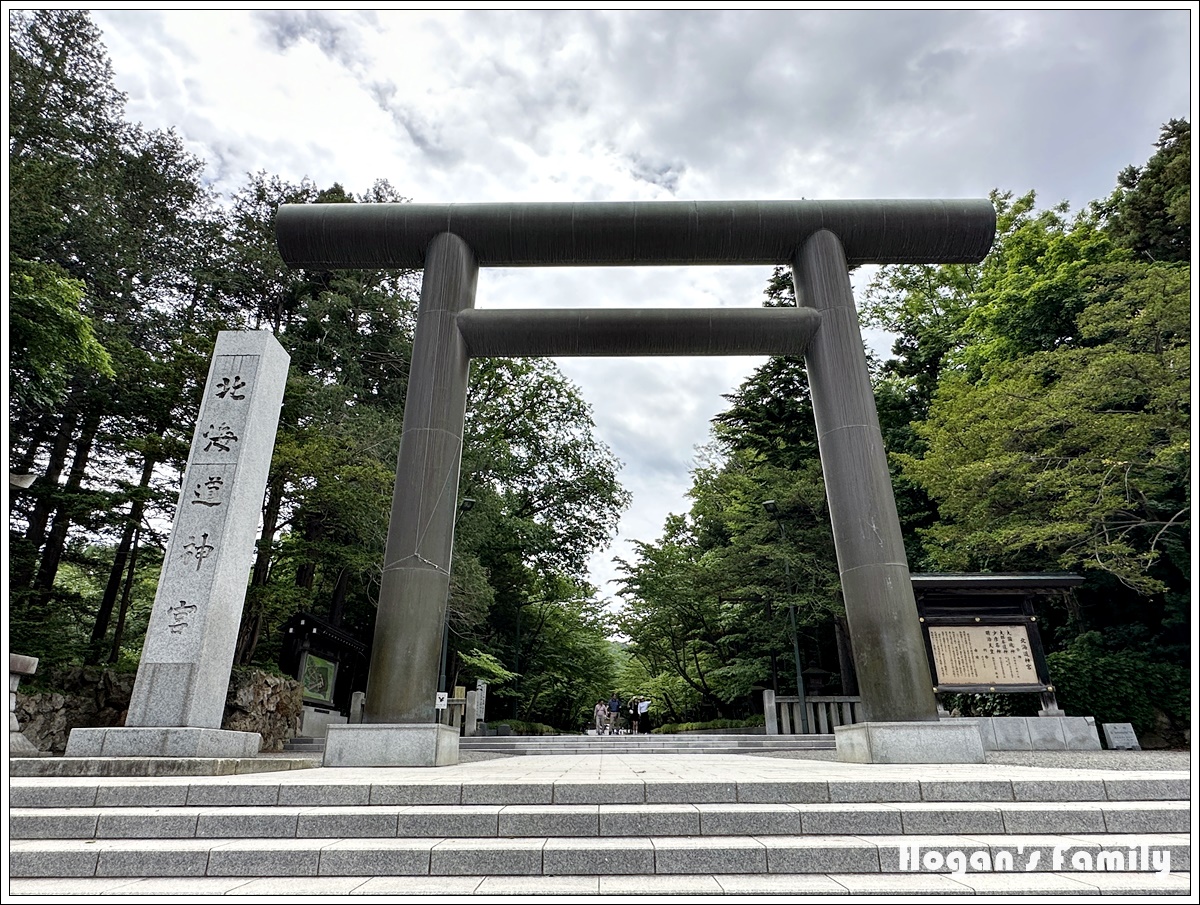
25	566
133	524
56	540
306	573
251	626
21	464
845	656
337	604
249	631
126	593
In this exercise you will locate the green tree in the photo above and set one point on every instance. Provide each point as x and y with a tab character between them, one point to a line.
349	336
707	605
1054	419
1150	211
124	270
1075	457
50	339
547	496
119	212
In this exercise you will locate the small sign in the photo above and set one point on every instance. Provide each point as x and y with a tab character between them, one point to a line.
442	698
1120	736
480	699
317	676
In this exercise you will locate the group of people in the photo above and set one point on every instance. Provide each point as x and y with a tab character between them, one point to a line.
608	717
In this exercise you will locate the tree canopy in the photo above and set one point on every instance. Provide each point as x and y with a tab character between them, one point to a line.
124	267
1037	415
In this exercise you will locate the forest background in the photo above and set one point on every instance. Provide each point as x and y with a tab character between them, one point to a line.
1036	410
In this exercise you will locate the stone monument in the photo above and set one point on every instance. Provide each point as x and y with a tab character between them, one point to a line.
179	694
18	665
820	240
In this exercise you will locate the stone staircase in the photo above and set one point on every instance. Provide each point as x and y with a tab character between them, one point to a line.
698	743
736	826
304	745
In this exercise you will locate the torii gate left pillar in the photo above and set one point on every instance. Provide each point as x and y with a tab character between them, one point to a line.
399	720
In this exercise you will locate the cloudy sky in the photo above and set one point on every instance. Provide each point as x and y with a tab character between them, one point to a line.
615	106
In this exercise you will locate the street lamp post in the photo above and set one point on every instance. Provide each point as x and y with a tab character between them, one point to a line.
464	506
773	511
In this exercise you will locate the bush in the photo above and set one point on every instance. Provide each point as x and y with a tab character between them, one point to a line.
985	705
672	728
520	727
1118	686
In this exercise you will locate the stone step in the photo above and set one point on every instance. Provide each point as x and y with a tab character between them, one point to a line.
155	766
628	855
295	789
1041	883
670	741
619	746
640	744
600	820
592	746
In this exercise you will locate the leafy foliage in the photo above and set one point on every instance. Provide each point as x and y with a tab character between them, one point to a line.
711	725
50	338
1073	456
707	606
1119	685
124	270
1150	211
1037	415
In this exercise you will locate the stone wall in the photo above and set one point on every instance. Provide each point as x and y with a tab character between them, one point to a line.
91	697
84	696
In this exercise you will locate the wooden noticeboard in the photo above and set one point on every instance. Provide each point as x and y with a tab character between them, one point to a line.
981	633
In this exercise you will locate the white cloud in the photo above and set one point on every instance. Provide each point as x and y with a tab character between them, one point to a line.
500	106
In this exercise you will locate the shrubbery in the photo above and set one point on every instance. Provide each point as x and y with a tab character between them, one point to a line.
1119	686
672	728
520	727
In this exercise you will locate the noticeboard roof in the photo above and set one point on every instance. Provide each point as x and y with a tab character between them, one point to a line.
972	583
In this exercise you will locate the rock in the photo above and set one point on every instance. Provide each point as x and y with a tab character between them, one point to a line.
264	703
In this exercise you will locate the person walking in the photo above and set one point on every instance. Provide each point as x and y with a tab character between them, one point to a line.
600	716
633	714
614	713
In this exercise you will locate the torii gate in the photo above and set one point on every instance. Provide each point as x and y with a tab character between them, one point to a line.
821	240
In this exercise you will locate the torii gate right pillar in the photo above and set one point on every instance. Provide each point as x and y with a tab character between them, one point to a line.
889	652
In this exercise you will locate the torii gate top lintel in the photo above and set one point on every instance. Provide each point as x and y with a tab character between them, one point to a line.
636	233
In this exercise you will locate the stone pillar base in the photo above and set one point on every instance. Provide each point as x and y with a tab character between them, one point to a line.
391	745
315	721
162	741
910	743
20	746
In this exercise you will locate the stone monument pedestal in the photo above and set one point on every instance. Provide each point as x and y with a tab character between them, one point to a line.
1037	733
391	745
162	741
918	742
